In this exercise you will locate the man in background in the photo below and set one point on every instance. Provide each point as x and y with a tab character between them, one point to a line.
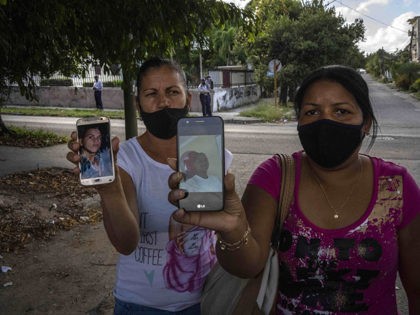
205	98
97	88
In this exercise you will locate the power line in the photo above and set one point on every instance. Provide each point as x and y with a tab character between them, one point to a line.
372	18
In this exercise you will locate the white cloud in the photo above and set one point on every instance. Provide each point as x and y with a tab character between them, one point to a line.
390	38
380	32
364	6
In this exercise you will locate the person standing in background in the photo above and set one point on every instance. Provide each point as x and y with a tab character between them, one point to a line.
209	82
205	97
210	85
97	88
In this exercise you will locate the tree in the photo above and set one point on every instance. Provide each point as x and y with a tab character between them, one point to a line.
69	35
304	36
37	38
127	32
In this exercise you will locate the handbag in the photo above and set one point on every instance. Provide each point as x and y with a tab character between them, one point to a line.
227	294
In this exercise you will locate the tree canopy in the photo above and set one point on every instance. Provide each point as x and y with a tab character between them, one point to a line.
46	36
303	36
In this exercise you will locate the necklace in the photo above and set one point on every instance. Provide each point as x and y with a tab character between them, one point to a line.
353	186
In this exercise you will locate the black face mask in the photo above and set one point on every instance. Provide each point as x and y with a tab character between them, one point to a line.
329	143
162	124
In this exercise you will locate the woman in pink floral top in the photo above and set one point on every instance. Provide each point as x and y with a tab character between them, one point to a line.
354	221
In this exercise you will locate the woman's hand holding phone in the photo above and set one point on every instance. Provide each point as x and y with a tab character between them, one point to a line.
226	220
74	157
96	158
201	157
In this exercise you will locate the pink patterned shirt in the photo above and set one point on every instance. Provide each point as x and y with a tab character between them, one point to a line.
351	270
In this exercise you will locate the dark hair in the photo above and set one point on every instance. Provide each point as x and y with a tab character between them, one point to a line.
352	81
157	62
105	141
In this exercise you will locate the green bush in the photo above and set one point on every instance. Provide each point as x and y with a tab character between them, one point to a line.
415	87
56	82
402	82
116	83
407	73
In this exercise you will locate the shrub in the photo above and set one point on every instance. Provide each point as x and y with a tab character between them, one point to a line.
402	82
407	73
56	82
415	87
116	83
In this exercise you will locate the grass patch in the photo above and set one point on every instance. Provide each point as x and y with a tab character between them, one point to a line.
20	137
61	112
269	112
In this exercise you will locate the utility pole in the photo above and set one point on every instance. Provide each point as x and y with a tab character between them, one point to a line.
201	66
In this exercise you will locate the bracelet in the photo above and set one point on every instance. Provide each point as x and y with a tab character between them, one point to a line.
236	245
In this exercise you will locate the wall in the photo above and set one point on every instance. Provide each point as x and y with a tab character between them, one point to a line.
112	98
69	96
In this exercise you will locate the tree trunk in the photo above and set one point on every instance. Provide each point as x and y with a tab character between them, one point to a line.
3	129
129	107
283	94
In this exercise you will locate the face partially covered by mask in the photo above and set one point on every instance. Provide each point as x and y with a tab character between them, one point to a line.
329	143
162	124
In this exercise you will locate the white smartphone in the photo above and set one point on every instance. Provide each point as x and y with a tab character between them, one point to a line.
200	147
97	161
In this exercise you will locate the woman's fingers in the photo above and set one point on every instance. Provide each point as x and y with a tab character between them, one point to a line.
73	157
74	147
115	143
233	203
222	221
73	144
172	162
174	180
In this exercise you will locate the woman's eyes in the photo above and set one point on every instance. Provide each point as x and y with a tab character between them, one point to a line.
311	112
173	92
337	112
169	93
150	94
342	111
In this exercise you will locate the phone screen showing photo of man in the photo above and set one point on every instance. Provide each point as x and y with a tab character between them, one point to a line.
201	161
95	152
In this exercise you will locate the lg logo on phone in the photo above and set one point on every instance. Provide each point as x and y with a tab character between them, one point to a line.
199	206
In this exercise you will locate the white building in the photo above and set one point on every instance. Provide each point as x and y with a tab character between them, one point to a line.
414	39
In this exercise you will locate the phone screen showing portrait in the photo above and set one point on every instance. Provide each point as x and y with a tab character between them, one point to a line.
96	163
200	145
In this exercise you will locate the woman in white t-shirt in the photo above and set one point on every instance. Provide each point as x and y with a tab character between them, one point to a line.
163	263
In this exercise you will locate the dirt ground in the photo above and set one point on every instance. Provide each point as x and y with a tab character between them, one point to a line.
54	253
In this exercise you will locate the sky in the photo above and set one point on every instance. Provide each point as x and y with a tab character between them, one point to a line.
385	20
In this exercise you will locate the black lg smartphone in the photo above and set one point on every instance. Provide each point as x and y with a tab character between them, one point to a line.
97	162
200	145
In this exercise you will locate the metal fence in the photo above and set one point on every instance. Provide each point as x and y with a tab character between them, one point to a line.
88	78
